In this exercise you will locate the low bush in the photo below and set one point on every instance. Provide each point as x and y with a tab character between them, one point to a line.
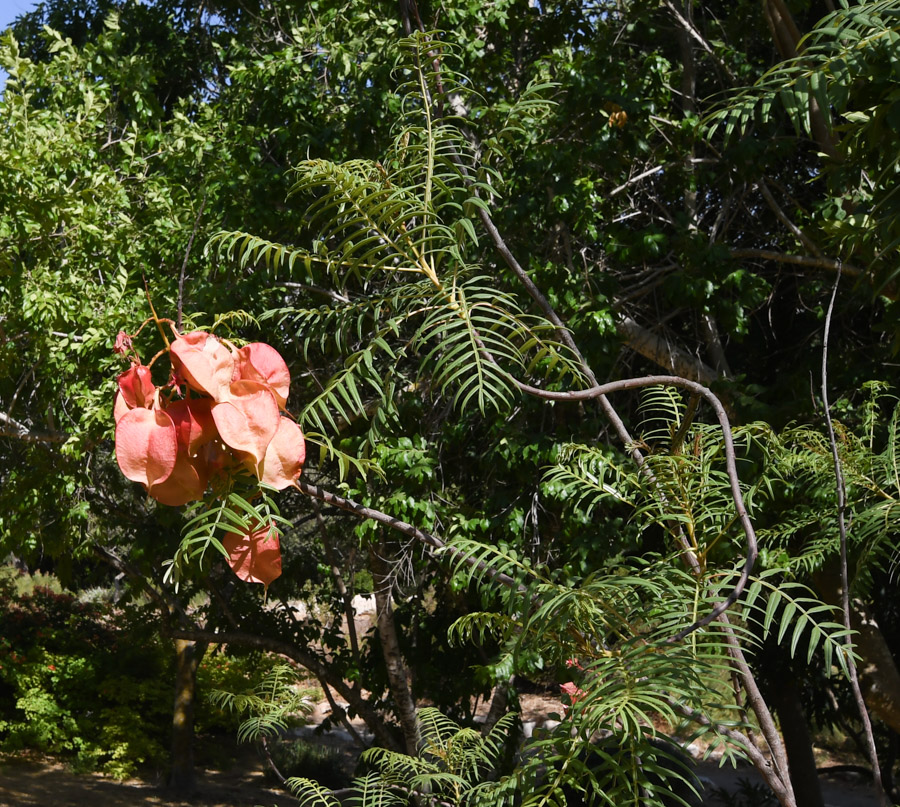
85	681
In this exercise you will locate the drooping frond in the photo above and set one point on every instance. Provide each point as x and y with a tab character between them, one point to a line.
455	765
790	610
661	409
588	477
311	793
353	392
832	57
249	251
871	469
365	224
234	511
270	706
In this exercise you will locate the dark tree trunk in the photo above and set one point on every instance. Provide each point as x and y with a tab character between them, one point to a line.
398	675
879	676
188	657
785	697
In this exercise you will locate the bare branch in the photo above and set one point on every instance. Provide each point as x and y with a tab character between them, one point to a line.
10	427
184	263
802	237
336	296
636	179
663	353
845	581
401	526
695	34
817	262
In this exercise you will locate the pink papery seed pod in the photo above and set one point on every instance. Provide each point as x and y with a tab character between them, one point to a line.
204	363
146	446
248	421
119	406
262	363
186	483
284	458
136	387
255	556
194	424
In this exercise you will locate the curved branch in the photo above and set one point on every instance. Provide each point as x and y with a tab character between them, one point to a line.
730	465
815	262
581	395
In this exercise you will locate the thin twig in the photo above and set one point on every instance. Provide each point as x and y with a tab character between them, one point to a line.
341	714
693	32
187	254
845	577
802	237
395	523
800	260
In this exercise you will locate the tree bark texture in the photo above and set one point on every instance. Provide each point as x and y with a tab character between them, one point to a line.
663	353
785	698
188	655
398	675
879	677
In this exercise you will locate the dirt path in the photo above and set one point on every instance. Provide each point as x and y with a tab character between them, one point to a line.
45	783
49	784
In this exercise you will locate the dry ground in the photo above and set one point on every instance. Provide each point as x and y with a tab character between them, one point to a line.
35	782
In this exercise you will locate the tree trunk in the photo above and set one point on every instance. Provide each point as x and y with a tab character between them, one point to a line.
398	675
801	761
787	38
499	703
188	657
879	677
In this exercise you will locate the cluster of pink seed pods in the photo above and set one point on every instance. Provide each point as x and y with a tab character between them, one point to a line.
219	415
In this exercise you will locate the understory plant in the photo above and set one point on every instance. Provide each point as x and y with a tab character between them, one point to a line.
57	655
454	765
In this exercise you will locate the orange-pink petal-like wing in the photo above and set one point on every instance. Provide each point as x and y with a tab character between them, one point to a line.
185	484
146	447
194	424
119	406
261	362
136	386
255	558
284	456
204	363
248	421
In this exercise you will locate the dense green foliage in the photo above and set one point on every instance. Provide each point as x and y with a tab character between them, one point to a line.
680	181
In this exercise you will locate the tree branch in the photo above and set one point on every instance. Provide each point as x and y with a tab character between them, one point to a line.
317	666
800	260
695	34
802	237
845	581
10	427
661	352
401	526
184	263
